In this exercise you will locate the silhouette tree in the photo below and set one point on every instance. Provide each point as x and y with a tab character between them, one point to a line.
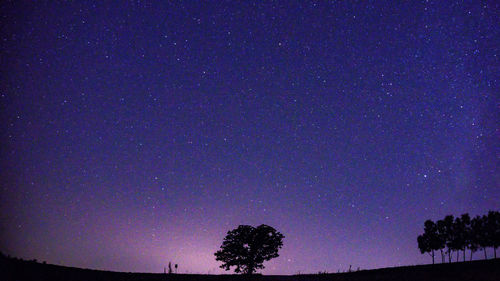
485	232
459	239
459	234
247	247
441	237
429	241
481	234
475	232
492	229
455	237
465	232
449	235
424	245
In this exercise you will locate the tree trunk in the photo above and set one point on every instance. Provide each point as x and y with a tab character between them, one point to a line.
442	256
432	256
251	268
458	254
464	254
495	251
484	250
471	252
449	256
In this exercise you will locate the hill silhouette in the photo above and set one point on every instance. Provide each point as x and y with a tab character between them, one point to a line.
15	269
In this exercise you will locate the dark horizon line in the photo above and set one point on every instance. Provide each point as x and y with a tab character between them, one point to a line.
223	274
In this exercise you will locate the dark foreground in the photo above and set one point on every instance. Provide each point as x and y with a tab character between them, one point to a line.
13	269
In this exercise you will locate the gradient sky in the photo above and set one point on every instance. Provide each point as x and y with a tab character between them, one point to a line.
137	133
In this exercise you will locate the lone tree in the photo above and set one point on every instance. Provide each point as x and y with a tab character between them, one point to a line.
247	247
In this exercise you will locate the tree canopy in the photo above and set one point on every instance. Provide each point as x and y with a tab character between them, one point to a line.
459	234
247	247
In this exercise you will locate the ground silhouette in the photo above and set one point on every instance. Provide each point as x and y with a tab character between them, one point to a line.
487	270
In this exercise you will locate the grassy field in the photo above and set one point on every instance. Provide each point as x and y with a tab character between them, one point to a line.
19	270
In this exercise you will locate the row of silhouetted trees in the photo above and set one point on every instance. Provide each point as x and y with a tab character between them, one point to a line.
451	235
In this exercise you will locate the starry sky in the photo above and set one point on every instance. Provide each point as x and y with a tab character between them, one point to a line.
137	133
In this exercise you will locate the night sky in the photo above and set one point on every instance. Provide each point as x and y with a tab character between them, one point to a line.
139	133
